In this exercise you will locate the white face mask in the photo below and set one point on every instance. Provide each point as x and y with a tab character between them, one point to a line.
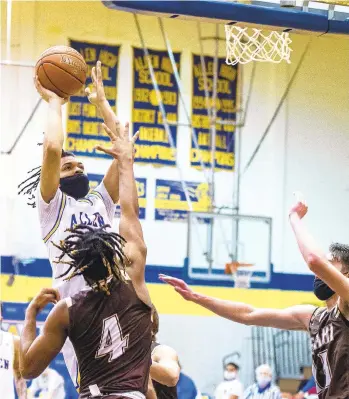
262	380
229	375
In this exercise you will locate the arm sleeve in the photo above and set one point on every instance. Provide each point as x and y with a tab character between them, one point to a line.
103	194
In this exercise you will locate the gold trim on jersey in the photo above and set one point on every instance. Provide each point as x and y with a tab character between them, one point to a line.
59	218
94	192
88	201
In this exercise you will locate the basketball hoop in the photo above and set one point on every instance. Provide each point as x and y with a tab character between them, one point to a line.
241	275
250	44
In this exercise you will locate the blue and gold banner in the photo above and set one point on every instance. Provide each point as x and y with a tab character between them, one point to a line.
170	201
152	146
226	111
141	184
84	130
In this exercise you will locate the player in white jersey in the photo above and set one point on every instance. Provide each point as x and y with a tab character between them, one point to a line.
63	198
9	367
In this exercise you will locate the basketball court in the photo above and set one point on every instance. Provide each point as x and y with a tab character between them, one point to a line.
287	58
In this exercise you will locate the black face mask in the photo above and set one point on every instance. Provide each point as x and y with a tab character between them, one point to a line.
76	186
321	290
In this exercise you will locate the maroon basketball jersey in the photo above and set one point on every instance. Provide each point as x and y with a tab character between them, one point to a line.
111	335
329	331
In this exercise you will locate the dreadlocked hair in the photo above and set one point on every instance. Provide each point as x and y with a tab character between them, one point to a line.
95	254
341	253
28	186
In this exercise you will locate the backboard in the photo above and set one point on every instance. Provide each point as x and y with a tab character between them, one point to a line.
310	17
215	239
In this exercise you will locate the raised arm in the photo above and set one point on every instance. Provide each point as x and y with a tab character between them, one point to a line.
314	256
53	143
36	353
165	367
129	227
97	97
292	318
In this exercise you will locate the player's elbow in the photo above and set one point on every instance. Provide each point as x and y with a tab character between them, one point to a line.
143	250
173	381
172	378
314	262
28	373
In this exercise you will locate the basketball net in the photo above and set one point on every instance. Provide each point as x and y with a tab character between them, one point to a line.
244	45
240	273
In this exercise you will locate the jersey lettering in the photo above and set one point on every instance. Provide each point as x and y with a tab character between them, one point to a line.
112	341
95	220
4	364
322	374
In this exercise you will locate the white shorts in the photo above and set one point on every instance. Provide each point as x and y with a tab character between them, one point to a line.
71	362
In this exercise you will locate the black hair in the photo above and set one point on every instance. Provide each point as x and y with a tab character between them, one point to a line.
29	186
95	254
341	253
232	364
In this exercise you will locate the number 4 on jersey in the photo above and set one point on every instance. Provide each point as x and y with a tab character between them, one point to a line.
112	341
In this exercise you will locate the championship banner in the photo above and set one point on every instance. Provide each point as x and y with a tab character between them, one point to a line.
152	146
84	130
170	201
226	111
141	184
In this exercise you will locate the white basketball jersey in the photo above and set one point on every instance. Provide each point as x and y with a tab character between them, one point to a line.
6	365
63	212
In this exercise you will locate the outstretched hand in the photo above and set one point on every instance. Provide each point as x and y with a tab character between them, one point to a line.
301	207
122	145
180	286
46	94
45	296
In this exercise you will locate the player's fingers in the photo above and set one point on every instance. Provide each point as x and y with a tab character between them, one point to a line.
117	127
109	132
99	72
87	91
173	282
50	298
93	75
57	294
103	149
164	277
38	85
135	137
127	130
172	279
48	291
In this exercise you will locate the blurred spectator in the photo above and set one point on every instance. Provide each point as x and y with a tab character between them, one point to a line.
263	389
49	385
186	388
231	387
303	379
308	390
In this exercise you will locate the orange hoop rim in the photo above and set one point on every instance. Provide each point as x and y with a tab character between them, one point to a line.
232	267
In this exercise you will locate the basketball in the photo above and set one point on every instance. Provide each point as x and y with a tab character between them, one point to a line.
62	70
